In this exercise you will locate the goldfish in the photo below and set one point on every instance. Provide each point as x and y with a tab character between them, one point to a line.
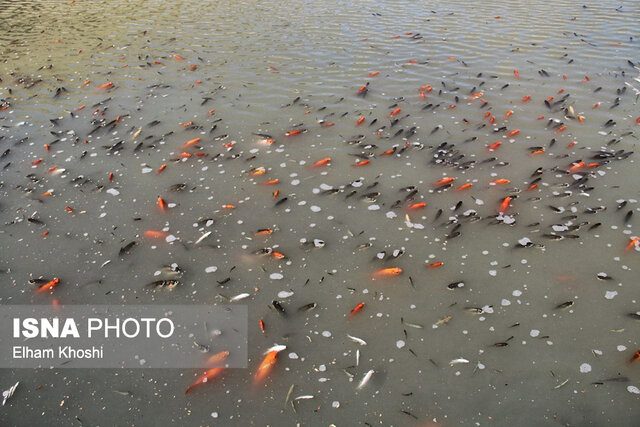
635	357
435	264
526	98
537	152
576	167
596	105
509	113
359	121
362	162
217	358
271	182
356	309
571	144
227	206
264	232
443	181
276	193
492	119
580	119
262	327
516	73
265	367
48	286
464	186
293	132
191	142
161	168
476	95
500	181
504	205
162	204
638	121
532	187
395	112
561	129
206	377
417	206
387	272
321	162
328	124
155	234
178	57
632	243
374	73
513	133
106	85
494	145
540	118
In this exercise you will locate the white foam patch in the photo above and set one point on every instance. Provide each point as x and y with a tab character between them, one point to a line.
610	294
276	276
113	191
211	269
400	343
284	294
147	170
585	368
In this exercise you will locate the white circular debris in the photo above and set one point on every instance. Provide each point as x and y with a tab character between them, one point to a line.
171	238
214	415
633	389
284	294
315	208
211	269
400	343
113	191
336	404
293	355
610	294
621	348
276	276
326	334
534	333
505	302
585	368
391	215
374	207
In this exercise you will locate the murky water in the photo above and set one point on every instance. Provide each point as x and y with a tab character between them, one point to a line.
231	70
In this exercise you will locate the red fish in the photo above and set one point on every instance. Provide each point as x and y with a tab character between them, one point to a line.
504	205
161	168
516	73
494	145
509	113
266	366
262	327
513	133
359	121
387	272
526	98
356	309
443	181
464	186
191	142
206	377
162	204
48	286
293	132
395	112
155	234
436	264
417	206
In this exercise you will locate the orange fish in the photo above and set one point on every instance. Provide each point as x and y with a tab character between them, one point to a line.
537	152
155	234
576	166
596	105
359	121
532	187
436	264
540	117
265	367
504	205
443	181
228	206
452	106
638	121
580	119
217	358
321	162
395	112
110	176
206	377
162	204
632	243
500	181
80	108
586	79
186	125
564	77
464	186
516	73
387	272
48	286
389	152
161	168
571	144
106	85
356	309
492	119
561	129
260	170
191	142
487	114
526	98
271	182
635	357
178	57
278	255
509	113
329	124
494	145
560	91
264	232
417	206
513	133
293	132
374	73
362	163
